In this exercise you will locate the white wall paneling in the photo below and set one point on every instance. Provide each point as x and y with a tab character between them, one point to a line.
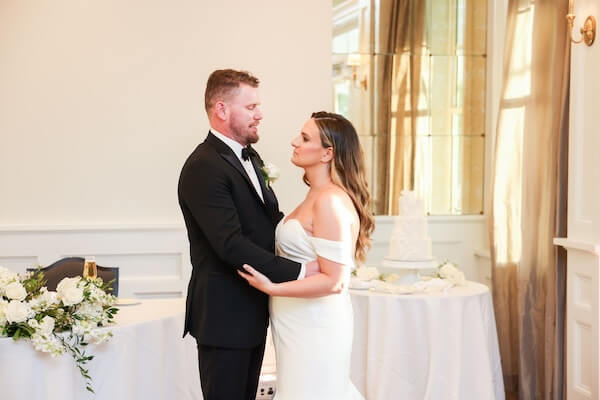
583	219
458	239
583	321
153	261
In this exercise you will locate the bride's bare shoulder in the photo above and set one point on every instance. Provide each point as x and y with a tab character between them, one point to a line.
332	214
332	200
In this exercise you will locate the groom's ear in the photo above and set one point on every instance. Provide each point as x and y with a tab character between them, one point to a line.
328	155
221	110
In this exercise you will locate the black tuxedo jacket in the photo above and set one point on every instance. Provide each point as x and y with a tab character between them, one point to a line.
228	225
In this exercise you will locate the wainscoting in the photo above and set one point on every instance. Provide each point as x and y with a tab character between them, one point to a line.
154	259
462	240
582	319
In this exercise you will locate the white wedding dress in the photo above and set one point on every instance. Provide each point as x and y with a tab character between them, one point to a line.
312	337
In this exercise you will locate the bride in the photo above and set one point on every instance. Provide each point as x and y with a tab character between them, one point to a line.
311	319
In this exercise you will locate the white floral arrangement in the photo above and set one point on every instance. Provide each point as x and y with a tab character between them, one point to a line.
451	273
270	173
64	321
368	274
446	276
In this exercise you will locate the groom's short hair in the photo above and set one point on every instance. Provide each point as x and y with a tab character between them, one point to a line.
223	82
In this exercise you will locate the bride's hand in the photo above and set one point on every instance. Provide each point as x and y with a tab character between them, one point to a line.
256	279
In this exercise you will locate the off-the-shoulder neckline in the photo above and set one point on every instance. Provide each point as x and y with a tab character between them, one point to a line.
286	220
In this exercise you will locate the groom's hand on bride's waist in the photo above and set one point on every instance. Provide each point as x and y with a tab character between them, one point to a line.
312	268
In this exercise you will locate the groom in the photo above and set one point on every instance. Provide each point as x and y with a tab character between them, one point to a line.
230	215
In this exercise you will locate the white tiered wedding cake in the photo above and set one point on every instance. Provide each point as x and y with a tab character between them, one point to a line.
410	244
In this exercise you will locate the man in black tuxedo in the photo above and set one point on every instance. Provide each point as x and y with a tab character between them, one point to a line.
230	215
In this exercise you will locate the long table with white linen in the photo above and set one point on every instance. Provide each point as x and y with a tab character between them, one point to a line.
146	359
433	346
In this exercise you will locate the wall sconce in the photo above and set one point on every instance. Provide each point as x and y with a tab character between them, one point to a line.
354	62
588	30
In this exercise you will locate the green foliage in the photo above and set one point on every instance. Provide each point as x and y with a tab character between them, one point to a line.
72	344
34	283
18	330
62	337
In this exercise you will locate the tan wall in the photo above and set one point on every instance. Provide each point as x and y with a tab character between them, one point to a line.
102	101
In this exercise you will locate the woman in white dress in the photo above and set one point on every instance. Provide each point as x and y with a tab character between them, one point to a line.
311	319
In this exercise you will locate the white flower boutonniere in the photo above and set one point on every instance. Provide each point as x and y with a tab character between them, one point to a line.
270	173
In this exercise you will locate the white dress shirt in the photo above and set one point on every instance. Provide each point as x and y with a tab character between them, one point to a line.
247	164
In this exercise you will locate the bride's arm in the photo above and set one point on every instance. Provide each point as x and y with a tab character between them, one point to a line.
330	221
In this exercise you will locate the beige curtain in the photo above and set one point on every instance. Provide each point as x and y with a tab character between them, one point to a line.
529	199
399	54
429	101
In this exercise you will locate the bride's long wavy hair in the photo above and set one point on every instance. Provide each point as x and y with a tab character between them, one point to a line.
348	171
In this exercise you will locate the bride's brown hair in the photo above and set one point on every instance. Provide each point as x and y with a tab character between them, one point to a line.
348	171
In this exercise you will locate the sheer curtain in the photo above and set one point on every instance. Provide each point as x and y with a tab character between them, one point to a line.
529	199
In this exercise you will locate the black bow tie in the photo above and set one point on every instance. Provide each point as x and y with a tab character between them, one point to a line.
248	152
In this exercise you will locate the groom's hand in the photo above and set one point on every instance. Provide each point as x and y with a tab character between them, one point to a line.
312	268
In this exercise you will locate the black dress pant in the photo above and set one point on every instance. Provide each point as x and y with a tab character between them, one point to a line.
229	374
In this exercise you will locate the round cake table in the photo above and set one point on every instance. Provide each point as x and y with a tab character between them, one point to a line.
434	346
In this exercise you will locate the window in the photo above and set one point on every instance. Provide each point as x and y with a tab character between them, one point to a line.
411	77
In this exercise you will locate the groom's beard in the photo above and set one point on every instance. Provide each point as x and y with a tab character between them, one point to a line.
244	132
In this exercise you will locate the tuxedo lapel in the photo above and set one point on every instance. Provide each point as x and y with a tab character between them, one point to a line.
268	195
227	154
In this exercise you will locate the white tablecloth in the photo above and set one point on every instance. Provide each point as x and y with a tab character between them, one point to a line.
434	346
411	347
146	359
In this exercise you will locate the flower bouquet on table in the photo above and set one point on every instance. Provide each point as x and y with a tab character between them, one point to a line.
370	278
451	273
445	277
56	322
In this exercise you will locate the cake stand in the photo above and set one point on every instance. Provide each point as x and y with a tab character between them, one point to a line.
409	272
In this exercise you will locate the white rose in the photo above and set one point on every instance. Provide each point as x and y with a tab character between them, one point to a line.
3	304
67	283
6	276
272	171
367	273
449	272
47	325
17	311
15	291
49	297
72	296
46	298
68	291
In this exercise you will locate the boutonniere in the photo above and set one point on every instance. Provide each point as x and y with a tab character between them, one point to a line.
270	173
